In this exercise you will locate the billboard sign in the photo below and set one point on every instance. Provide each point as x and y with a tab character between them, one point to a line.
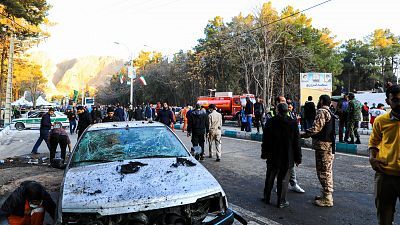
315	85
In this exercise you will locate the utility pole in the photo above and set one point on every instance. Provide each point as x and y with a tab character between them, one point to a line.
130	64
7	116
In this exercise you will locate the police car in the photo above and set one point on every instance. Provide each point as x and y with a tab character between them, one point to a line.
32	120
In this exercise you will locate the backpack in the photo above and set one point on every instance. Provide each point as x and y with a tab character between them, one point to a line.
243	117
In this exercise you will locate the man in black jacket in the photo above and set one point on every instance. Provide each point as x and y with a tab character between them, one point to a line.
96	115
72	120
165	115
198	127
309	113
110	116
249	114
45	127
281	149
27	205
259	111
84	120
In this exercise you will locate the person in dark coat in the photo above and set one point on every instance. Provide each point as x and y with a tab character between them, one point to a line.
198	127
45	127
281	149
72	120
28	204
96	115
309	113
149	112
110	116
84	120
259	111
165	115
249	114
139	113
120	113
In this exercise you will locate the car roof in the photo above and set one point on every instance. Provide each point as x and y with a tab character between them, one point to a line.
123	124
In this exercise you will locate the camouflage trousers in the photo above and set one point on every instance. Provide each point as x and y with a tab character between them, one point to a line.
324	162
353	129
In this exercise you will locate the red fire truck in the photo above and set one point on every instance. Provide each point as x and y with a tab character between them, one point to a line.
229	104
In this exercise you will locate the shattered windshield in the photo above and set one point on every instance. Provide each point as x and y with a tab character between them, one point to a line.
124	144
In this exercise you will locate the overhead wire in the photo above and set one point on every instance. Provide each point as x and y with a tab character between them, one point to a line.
283	18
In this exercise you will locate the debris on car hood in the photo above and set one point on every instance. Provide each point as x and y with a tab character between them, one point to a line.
131	167
183	162
153	186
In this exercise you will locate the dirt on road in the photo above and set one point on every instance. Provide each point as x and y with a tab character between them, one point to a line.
18	169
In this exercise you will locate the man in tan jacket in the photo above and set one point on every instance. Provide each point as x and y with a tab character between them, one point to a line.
215	132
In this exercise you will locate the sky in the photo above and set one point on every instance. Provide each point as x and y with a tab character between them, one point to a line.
90	27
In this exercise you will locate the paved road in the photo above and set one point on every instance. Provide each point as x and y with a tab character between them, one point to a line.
241	173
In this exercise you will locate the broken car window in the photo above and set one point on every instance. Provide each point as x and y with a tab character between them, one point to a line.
126	144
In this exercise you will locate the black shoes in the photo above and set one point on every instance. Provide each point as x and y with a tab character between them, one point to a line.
218	160
358	141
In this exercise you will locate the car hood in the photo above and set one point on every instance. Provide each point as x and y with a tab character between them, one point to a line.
102	189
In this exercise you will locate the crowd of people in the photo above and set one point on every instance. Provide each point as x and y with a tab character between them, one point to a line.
281	148
280	144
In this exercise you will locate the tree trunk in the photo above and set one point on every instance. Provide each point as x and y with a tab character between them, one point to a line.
246	78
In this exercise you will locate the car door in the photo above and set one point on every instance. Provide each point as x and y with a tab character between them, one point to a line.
36	121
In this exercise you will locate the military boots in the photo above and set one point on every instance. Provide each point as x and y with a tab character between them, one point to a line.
325	200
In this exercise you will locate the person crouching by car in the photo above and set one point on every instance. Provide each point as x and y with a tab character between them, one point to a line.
110	116
281	148
58	136
27	205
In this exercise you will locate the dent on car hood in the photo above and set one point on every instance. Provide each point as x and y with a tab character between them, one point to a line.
103	189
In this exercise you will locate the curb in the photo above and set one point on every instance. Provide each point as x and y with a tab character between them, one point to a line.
306	143
5	131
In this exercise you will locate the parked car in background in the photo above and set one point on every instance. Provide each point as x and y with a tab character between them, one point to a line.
138	173
32	120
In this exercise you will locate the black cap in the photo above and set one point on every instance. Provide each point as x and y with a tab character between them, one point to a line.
212	106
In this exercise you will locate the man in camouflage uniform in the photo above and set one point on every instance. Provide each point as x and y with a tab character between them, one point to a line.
354	117
323	136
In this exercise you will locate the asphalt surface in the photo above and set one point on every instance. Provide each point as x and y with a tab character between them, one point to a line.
241	173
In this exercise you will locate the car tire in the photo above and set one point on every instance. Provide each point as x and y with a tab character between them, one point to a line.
19	126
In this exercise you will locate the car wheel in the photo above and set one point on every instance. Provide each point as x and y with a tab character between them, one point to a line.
19	126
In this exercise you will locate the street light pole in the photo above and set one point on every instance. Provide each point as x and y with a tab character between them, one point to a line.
130	64
7	116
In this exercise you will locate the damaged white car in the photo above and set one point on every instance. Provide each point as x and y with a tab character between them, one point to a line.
138	173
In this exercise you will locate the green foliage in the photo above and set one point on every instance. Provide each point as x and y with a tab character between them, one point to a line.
263	55
32	11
